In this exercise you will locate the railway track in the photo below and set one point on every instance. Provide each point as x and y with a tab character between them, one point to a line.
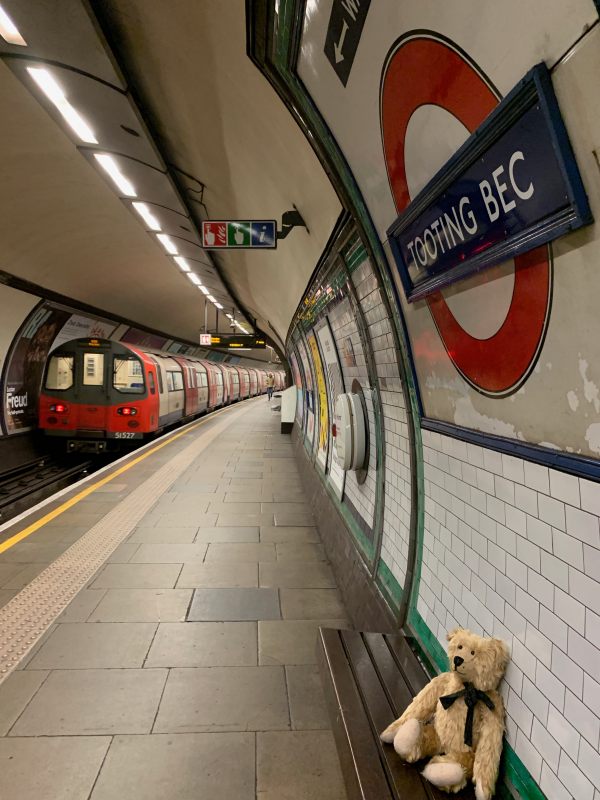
23	486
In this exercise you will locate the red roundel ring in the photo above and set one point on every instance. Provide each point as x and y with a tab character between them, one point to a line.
422	69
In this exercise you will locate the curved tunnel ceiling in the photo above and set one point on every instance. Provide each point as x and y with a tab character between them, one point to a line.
62	223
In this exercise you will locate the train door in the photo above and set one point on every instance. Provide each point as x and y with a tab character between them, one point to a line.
202	383
220	388
163	395
253	382
92	389
176	393
235	383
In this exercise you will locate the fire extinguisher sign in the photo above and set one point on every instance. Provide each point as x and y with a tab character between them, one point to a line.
239	234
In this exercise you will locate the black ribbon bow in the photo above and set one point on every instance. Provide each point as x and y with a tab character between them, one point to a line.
472	697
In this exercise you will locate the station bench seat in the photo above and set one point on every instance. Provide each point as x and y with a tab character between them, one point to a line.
369	679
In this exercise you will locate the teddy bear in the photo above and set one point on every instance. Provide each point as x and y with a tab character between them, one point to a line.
458	718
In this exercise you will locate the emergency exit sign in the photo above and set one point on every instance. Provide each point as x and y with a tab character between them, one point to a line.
236	234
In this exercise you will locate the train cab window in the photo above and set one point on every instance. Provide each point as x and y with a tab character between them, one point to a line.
151	383
93	369
59	376
128	376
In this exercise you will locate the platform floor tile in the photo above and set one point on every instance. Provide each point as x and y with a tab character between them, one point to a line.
219	575
297	575
299	551
83	646
204	644
182	767
224	699
232	534
93	701
298	765
137	576
153	535
82	605
273	533
311	603
308	710
234	604
169	554
141	605
292	641
231	552
56	768
15	693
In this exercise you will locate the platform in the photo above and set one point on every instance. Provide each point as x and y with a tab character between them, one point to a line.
183	664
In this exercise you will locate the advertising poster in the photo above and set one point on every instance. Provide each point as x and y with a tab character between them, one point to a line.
493	348
335	383
323	432
310	396
24	367
298	385
141	339
78	327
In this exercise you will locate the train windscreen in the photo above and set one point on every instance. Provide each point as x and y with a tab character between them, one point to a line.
128	375
59	375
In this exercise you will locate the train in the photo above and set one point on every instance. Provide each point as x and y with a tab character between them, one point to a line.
98	395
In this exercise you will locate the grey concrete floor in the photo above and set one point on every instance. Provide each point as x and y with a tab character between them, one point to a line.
186	667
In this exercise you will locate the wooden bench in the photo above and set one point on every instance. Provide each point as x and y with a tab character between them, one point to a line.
369	679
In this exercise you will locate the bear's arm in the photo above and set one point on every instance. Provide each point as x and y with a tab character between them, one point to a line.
489	749
423	705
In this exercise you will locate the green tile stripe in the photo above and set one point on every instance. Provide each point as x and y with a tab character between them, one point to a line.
388	584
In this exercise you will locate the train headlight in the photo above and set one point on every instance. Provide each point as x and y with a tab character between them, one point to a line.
127	411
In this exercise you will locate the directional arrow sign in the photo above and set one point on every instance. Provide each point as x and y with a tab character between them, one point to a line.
343	34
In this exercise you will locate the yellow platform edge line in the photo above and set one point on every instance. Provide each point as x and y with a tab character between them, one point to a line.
18	537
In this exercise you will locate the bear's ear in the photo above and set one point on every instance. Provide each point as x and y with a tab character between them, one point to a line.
451	634
500	651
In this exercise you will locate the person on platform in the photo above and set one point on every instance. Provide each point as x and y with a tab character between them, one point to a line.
270	385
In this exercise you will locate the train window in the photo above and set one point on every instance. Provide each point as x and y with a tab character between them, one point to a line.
177	381
93	369
60	373
128	376
151	383
169	381
160	380
219	378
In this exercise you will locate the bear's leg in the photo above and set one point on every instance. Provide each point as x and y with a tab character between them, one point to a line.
414	741
450	772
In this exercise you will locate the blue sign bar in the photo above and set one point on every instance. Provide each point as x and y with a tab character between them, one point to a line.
512	186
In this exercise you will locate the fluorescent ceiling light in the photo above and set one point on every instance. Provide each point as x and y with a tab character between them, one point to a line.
9	31
148	217
182	263
110	166
211	298
194	278
218	305
167	243
203	289
55	94
229	316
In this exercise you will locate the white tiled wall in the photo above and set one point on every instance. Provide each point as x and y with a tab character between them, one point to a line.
397	506
512	549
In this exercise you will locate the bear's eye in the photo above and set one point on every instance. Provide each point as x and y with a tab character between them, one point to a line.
460	646
472	652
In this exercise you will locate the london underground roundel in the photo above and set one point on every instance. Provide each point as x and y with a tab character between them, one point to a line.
426	69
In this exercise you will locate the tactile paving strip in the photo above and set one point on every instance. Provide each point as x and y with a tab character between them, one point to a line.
25	618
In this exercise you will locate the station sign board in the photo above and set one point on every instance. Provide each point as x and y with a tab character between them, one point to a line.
513	185
236	234
234	341
205	339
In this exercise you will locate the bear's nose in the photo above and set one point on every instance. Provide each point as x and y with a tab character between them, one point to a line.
458	661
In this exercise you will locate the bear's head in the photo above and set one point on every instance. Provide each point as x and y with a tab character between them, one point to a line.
477	660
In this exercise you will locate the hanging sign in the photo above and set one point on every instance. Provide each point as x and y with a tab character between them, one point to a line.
238	234
512	186
235	341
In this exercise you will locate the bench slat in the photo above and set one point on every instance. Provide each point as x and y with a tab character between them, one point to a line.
359	756
406	779
408	662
